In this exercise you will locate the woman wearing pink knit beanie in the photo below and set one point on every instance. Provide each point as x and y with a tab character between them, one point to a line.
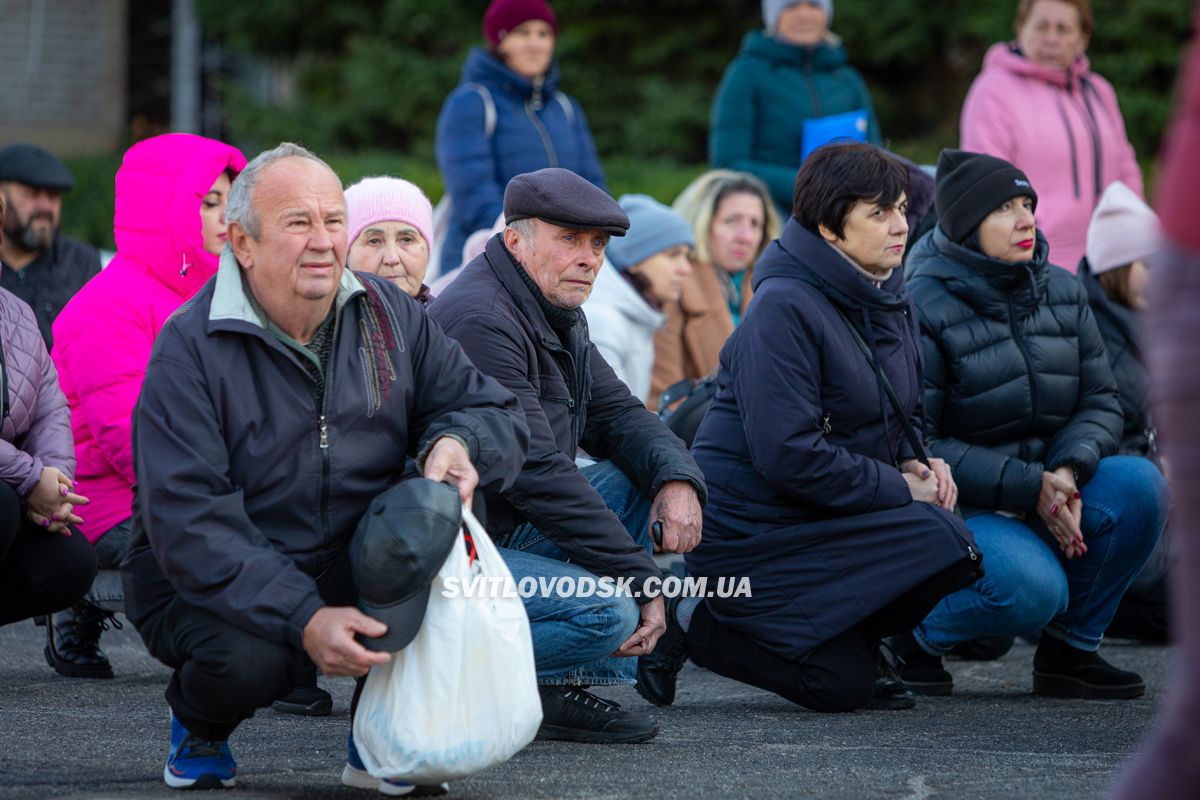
390	228
1122	238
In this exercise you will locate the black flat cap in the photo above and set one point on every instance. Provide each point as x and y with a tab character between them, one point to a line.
561	197
33	166
396	552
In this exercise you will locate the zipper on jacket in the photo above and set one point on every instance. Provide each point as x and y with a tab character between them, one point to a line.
551	153
538	102
573	381
808	80
1062	112
323	435
1033	394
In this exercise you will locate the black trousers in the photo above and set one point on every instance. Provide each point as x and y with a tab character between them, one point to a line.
839	675
223	673
40	572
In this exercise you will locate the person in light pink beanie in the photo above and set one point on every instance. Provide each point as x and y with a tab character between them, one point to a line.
390	229
1123	231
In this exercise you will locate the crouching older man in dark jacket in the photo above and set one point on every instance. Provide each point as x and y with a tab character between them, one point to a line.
515	309
284	397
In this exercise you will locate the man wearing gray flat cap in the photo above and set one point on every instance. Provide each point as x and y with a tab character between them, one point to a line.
41	266
515	310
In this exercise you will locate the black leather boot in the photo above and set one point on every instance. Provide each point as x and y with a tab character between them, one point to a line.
73	641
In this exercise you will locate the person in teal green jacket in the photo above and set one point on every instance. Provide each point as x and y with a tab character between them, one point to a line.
792	72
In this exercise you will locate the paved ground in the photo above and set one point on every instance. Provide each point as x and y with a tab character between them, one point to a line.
107	739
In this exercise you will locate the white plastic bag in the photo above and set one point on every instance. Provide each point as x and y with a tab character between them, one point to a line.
463	695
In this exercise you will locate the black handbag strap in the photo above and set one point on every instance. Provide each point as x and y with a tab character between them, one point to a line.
914	441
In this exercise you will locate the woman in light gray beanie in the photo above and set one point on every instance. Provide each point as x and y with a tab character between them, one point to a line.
773	9
648	267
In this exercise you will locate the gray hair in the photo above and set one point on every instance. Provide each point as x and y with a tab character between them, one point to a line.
523	226
240	206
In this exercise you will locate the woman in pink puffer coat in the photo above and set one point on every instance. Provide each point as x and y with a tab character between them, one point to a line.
1038	105
169	227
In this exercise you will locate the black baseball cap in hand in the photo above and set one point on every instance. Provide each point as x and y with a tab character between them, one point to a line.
399	546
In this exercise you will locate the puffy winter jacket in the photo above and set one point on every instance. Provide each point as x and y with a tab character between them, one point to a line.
765	96
103	338
497	125
1016	378
49	281
36	431
1119	328
1063	128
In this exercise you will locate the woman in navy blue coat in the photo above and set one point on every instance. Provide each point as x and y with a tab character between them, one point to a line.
815	493
507	117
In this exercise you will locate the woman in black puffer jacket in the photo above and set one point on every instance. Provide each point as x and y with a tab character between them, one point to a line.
1021	403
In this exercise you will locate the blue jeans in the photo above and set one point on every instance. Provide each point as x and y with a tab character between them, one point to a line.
574	637
1028	583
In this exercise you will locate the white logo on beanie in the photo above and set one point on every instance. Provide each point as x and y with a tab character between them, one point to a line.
1019	182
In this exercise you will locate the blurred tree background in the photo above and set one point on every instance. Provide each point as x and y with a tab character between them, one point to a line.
364	80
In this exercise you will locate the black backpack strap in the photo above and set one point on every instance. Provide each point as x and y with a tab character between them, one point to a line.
914	441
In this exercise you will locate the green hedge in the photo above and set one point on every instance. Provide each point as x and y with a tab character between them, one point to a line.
374	75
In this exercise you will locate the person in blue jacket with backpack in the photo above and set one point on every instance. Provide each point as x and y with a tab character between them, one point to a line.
507	117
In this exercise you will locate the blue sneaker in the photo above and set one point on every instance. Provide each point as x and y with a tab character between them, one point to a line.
196	764
355	775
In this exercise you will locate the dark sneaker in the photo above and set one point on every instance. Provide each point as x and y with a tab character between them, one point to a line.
73	641
306	701
983	648
355	775
657	672
922	672
1060	670
571	714
890	691
198	764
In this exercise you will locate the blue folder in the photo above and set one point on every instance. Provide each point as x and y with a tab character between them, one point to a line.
848	127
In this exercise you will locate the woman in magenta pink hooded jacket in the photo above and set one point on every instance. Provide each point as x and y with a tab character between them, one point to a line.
104	336
1038	105
165	189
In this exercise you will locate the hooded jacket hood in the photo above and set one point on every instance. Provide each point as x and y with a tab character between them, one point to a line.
1009	58
159	191
826	55
799	254
490	70
986	284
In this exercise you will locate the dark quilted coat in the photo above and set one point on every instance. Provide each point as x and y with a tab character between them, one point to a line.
1016	378
37	422
1119	328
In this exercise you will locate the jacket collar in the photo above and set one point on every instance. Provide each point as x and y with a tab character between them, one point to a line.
486	68
987	284
799	254
505	267
825	56
233	303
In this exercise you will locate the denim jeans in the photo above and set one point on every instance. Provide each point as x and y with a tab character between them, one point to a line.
574	637
107	591
1028	583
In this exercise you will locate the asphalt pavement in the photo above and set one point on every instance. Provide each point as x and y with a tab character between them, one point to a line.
107	739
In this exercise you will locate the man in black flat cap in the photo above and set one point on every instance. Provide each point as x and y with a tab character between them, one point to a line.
41	266
515	310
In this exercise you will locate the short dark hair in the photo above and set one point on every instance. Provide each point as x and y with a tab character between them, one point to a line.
836	176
